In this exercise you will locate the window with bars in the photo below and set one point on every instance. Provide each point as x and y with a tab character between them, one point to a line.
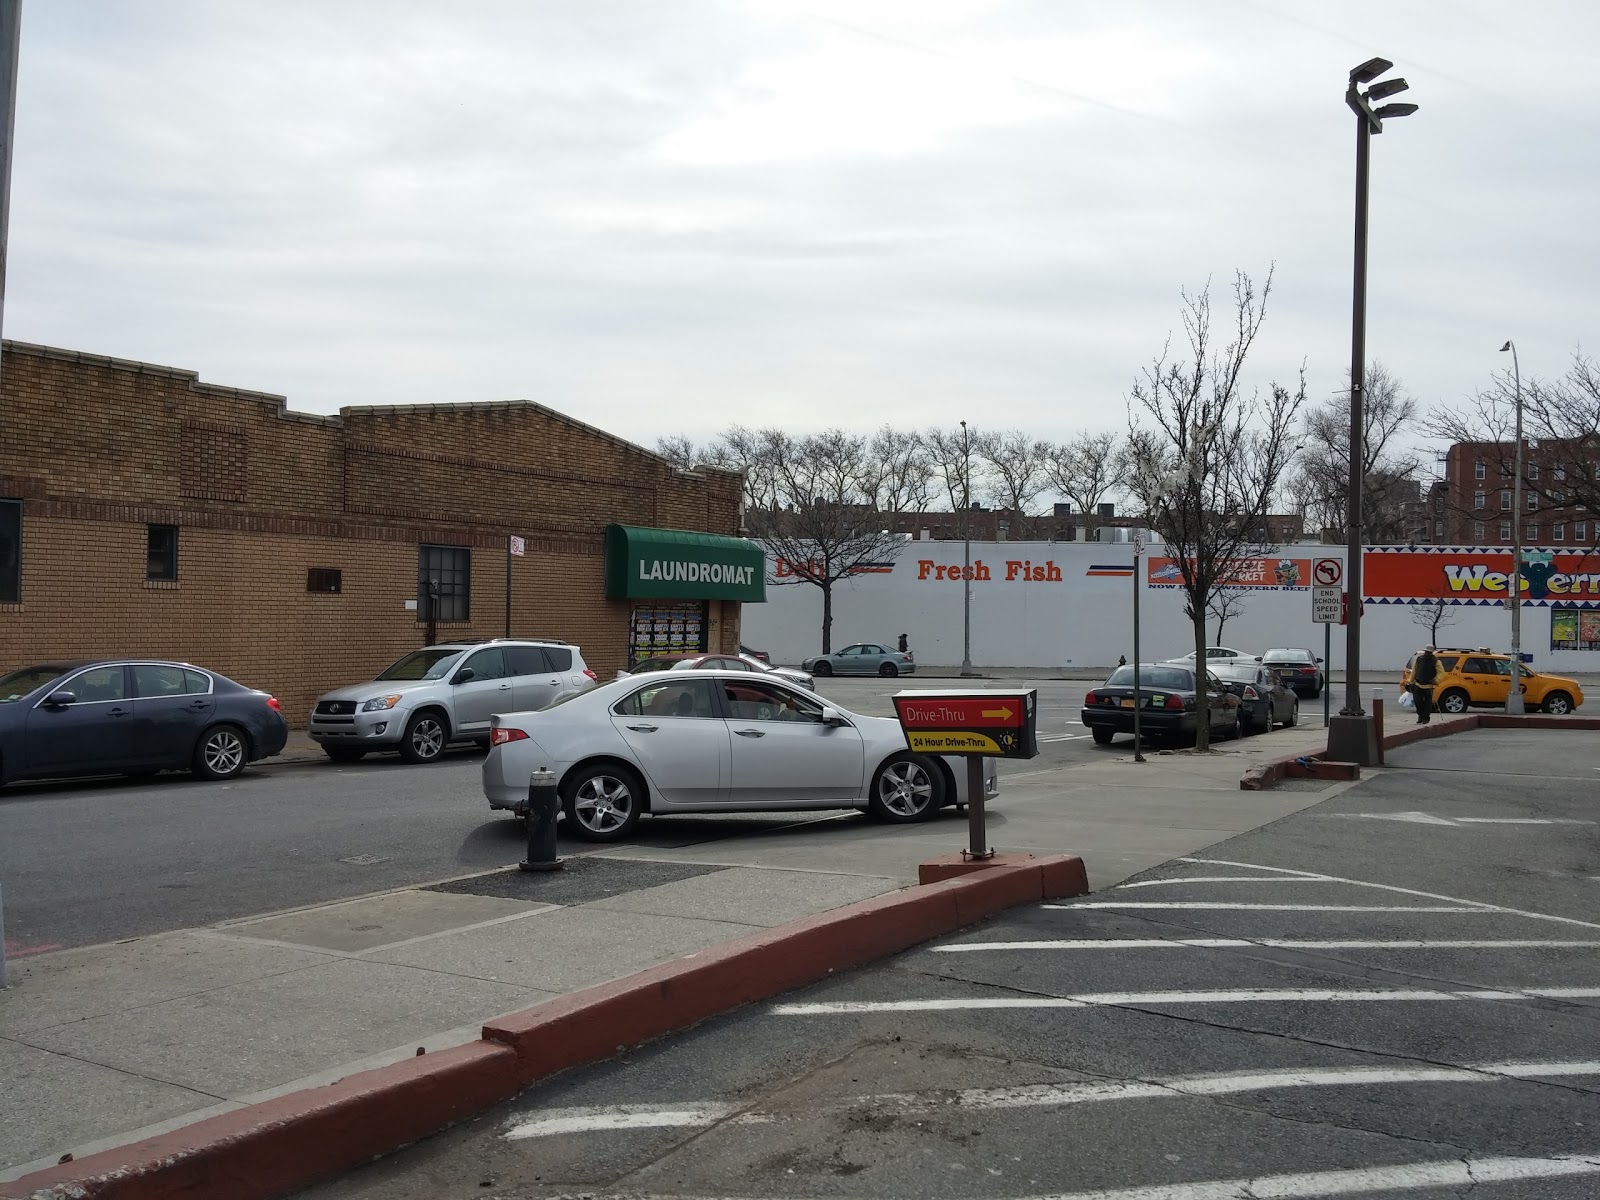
161	552
448	569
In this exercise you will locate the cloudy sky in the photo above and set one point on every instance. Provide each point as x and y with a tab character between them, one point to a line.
666	216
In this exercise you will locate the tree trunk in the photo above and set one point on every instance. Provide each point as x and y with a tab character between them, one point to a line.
1202	696
827	616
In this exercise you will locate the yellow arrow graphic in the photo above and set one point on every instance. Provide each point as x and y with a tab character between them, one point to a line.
1002	713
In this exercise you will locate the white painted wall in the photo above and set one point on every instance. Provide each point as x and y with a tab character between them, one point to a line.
1085	621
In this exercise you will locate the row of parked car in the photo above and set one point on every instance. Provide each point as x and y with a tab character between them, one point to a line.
1240	697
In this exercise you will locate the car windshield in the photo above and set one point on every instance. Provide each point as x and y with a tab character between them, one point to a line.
1172	679
15	686
433	663
1287	656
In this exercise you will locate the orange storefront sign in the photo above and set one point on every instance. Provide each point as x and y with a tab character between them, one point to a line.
1479	576
1267	574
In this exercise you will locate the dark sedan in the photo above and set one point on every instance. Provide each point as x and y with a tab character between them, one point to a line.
1299	669
1168	707
1265	699
133	717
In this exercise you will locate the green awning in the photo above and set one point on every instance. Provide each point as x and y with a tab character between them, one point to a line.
675	564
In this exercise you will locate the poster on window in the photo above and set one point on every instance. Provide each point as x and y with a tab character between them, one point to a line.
667	628
1574	629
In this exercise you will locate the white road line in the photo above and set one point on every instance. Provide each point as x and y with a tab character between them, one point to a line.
1272	943
1144	883
1389	887
1264	908
1422	818
620	1116
700	1113
1357	1182
1520	821
1116	999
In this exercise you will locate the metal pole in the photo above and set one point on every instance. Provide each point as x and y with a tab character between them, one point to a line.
966	540
1514	703
508	585
977	836
10	40
1358	352
1327	670
1138	696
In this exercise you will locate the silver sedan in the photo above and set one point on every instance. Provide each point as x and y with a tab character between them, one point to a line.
714	741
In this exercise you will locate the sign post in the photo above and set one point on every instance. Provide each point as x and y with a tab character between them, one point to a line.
973	724
1138	700
1327	607
515	546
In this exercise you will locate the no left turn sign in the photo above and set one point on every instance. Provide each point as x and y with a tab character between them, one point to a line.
1327	572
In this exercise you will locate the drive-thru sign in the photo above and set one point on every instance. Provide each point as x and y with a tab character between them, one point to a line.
976	725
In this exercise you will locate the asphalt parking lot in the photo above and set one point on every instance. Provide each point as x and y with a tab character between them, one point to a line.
1392	993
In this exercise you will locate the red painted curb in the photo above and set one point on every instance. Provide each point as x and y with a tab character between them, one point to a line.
1535	721
280	1146
1063	874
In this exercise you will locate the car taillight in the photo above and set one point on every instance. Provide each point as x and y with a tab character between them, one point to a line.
1308	670
1173	702
905	658
1091	698
272	703
591	675
499	737
1250	693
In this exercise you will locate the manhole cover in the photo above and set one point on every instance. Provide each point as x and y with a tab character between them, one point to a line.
365	860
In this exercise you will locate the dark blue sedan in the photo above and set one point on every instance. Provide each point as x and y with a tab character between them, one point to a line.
133	717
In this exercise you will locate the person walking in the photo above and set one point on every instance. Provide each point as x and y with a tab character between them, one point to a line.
1424	674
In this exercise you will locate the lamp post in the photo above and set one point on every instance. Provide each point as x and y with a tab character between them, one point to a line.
966	546
1353	735
1514	593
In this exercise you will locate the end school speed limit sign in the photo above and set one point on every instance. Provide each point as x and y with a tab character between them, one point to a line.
1326	605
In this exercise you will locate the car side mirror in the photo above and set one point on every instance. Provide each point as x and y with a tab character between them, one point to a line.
833	718
1319	660
61	699
465	675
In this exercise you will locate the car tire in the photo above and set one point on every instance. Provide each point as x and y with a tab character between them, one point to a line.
822	668
1294	716
905	788
344	754
1455	700
221	752
1102	735
425	737
888	670
602	802
1557	704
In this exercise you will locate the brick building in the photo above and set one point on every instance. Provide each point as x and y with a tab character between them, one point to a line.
145	512
1559	482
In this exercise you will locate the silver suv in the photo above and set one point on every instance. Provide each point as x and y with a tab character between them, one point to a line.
446	693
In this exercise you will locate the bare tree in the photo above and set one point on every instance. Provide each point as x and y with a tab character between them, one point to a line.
898	476
754	452
949	454
1562	416
1319	486
1227	603
680	451
1435	613
1207	457
1015	470
821	526
1085	471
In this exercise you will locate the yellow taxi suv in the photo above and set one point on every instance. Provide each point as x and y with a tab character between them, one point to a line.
1482	679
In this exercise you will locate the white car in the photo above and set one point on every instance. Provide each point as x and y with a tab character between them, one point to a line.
1218	656
714	741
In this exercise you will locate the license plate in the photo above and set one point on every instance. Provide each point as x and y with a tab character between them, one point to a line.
1127	704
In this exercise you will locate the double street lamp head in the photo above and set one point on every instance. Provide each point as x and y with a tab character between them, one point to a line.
1370	70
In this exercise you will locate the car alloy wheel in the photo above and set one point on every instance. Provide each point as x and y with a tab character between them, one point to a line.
424	738
1558	704
1454	701
221	753
888	670
822	667
603	803
906	788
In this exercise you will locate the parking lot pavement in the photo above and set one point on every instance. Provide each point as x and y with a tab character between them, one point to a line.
1393	993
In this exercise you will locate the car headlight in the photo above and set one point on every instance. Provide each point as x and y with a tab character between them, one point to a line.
380	703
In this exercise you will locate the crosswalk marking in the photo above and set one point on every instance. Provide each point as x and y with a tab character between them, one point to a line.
1272	943
1123	999
701	1113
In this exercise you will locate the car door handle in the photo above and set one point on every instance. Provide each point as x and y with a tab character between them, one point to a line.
505	687
750	733
117	712
555	683
643	728
199	705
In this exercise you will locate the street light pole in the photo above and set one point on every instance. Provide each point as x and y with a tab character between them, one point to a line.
1353	735
966	546
1514	591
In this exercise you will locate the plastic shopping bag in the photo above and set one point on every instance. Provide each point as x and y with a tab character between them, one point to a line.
1407	700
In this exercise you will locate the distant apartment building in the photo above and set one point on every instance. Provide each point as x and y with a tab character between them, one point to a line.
1475	504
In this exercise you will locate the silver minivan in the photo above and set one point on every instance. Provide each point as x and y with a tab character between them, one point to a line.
446	693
